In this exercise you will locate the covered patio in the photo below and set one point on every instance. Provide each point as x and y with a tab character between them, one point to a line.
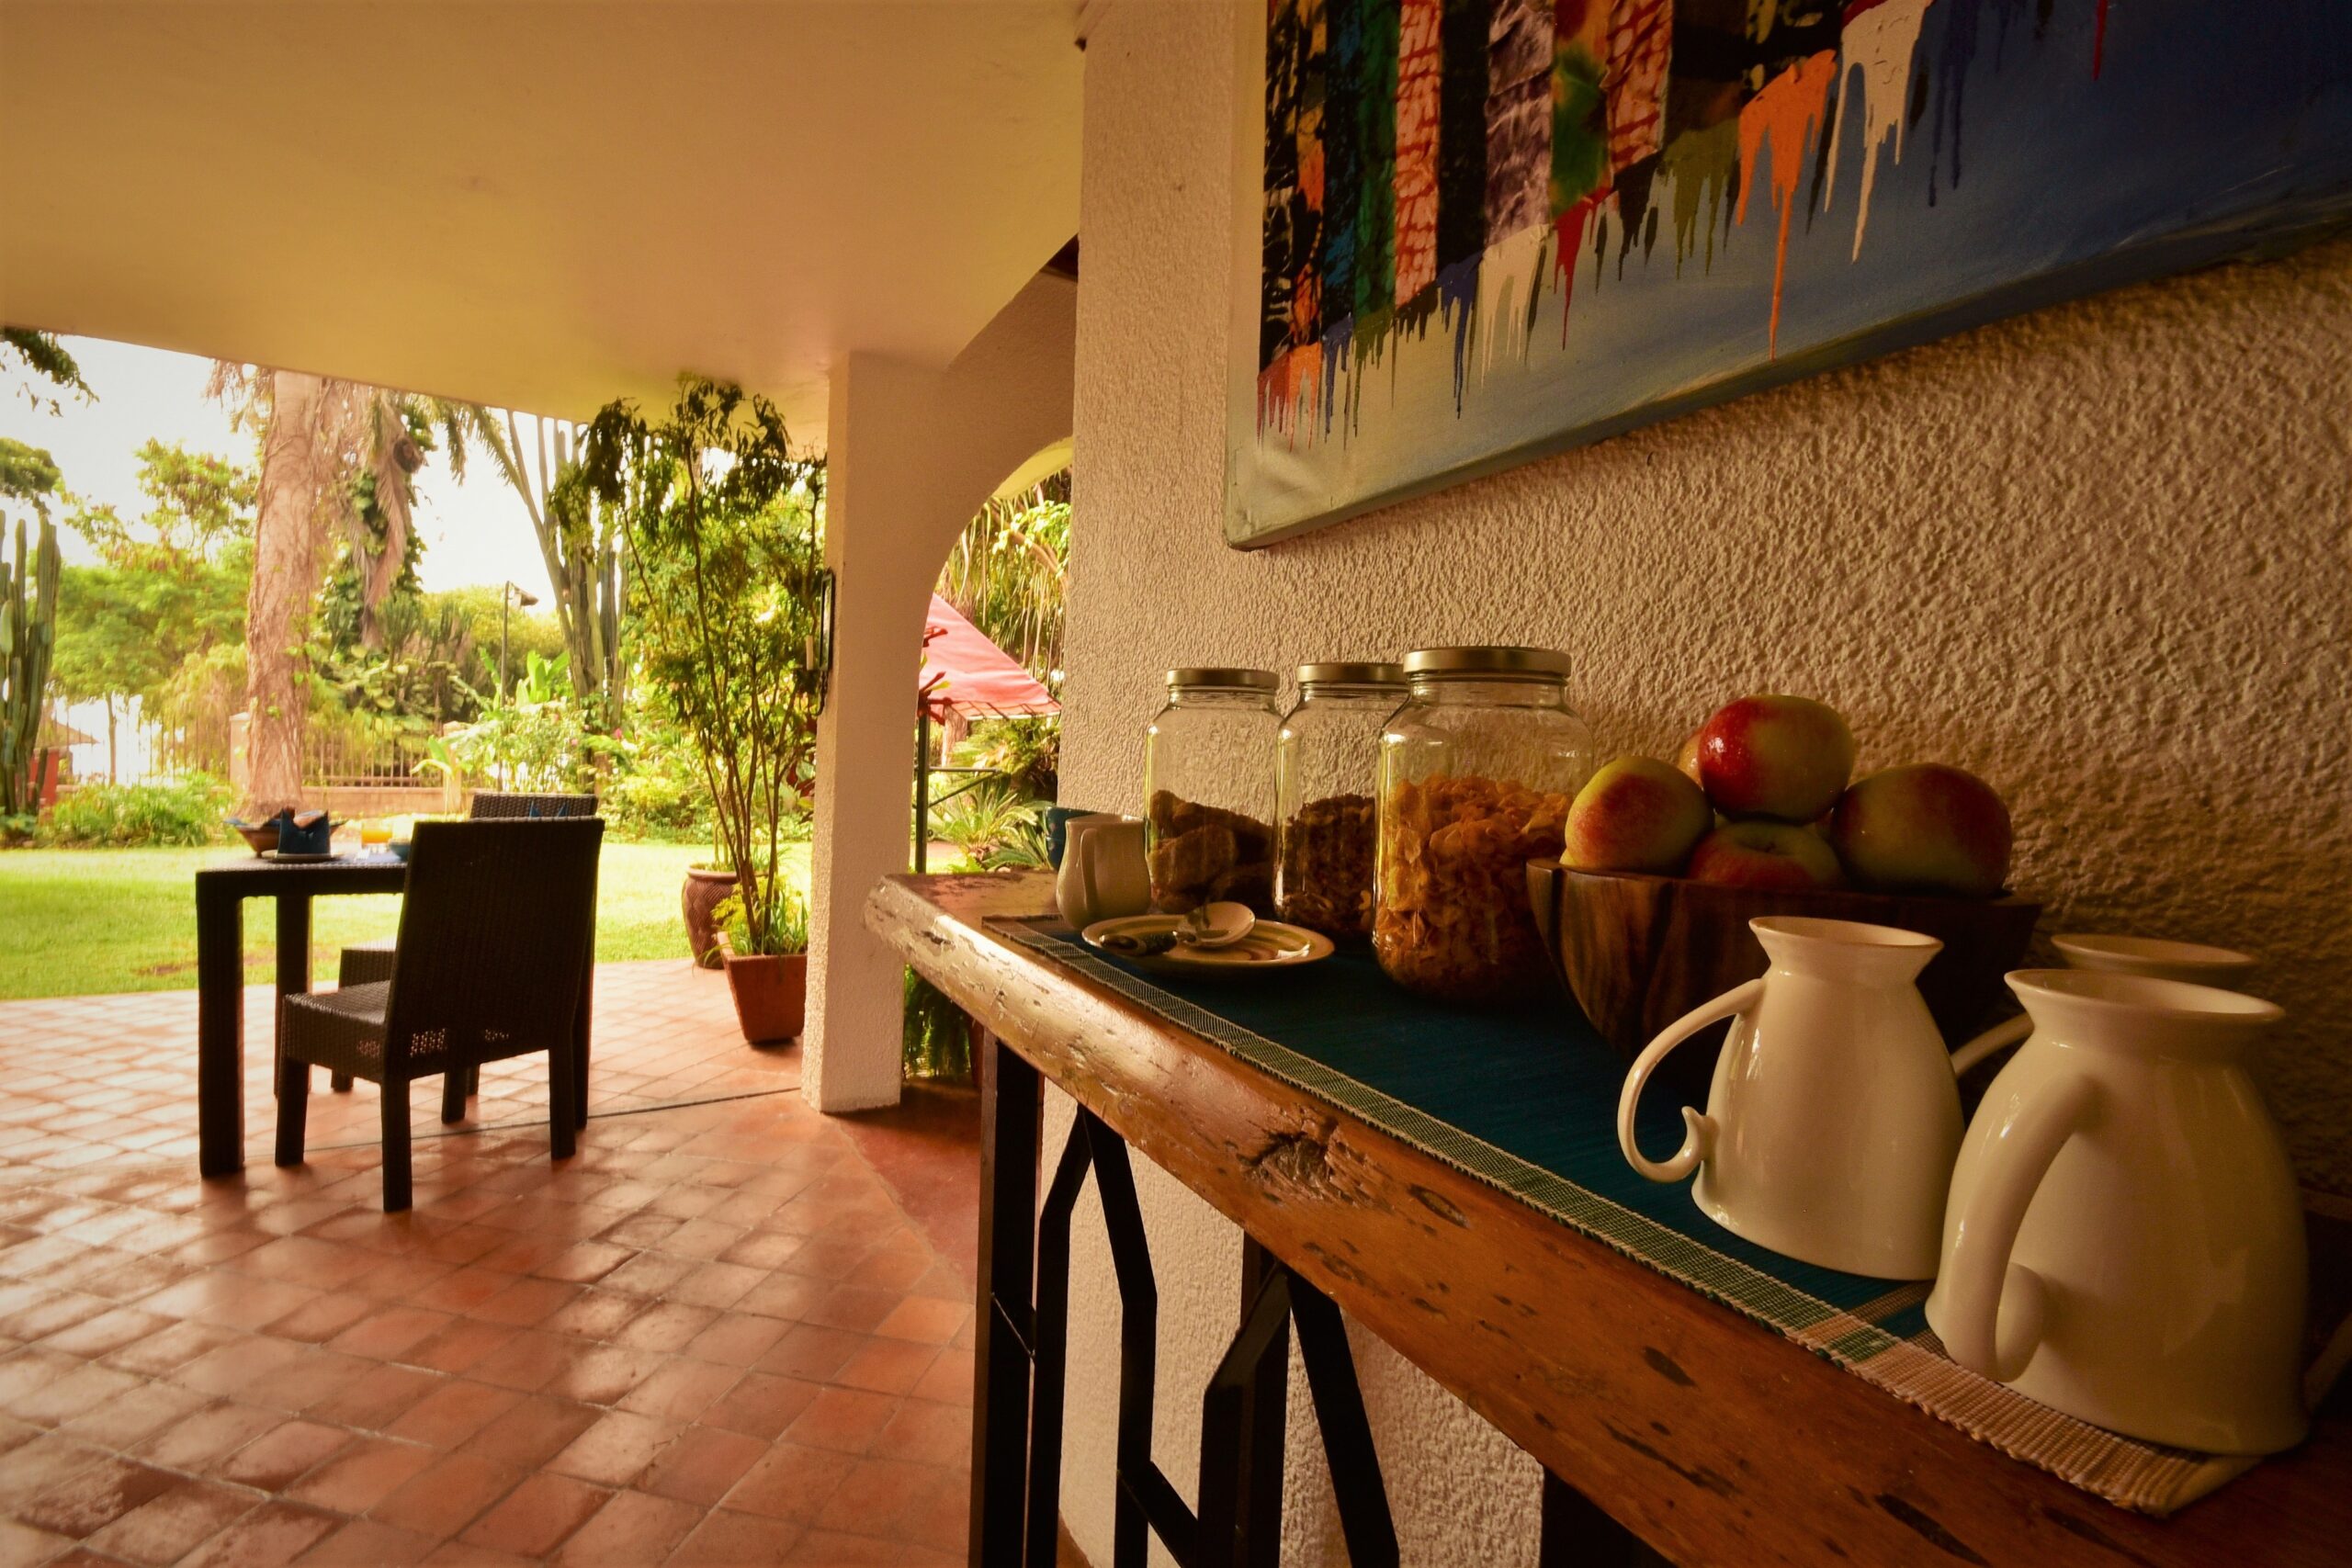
2043	488
731	1330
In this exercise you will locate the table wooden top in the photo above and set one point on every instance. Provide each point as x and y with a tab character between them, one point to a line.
254	877
1714	1439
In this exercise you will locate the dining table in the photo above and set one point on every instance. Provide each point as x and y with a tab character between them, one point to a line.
221	893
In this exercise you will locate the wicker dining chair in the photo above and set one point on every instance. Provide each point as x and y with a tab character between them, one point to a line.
365	962
494	805
494	938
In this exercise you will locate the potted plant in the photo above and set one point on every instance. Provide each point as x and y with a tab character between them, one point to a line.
726	589
770	988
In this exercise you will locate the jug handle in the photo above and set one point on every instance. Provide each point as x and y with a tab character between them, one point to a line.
1084	849
2001	1036
1700	1136
1995	1310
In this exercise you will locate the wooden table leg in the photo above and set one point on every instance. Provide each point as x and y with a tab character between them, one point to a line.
219	1029
1011	1102
293	980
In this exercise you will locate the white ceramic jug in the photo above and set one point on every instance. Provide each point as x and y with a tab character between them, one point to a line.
1833	1115
1103	872
2152	956
2125	1241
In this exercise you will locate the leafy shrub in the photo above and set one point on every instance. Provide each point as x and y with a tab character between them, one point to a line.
186	810
787	930
1025	848
935	1037
1027	751
655	809
980	821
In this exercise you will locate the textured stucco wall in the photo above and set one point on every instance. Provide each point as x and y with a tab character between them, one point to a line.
2102	555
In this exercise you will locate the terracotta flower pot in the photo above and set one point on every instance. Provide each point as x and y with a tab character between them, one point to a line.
705	889
771	995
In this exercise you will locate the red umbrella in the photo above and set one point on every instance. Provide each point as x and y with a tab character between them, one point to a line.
965	674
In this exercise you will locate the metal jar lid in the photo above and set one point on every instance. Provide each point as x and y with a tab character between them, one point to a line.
1341	673
1499	662
1213	678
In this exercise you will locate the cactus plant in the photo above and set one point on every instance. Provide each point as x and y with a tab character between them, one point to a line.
27	638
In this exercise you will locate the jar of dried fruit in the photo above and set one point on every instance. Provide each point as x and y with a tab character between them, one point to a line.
1477	771
1327	764
1208	778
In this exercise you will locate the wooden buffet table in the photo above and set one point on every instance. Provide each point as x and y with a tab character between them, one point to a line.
1690	1430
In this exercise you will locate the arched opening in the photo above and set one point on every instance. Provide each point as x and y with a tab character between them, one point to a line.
913	454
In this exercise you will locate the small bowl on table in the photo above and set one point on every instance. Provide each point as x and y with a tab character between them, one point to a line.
1638	952
261	836
400	847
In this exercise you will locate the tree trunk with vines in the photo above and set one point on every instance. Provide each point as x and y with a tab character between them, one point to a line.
296	470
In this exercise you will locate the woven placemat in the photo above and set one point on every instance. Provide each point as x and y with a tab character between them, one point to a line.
1528	1102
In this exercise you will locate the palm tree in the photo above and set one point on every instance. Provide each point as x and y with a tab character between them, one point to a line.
579	543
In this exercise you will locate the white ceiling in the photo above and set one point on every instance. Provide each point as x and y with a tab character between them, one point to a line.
536	205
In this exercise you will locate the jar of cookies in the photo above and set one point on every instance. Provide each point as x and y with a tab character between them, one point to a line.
1327	764
1208	778
1477	771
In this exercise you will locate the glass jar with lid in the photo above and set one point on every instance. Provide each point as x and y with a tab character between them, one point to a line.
1208	778
1477	771
1327	768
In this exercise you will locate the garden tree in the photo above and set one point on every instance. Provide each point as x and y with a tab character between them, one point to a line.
168	595
39	357
726	581
29	475
336	455
1007	575
577	532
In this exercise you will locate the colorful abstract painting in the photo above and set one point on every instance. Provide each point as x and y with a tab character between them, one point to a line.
1485	229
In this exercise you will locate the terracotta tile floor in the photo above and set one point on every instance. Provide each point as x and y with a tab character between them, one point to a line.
94	1080
714	1337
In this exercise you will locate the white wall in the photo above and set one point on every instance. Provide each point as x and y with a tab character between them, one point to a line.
2102	555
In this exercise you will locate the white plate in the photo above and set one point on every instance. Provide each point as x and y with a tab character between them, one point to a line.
1271	944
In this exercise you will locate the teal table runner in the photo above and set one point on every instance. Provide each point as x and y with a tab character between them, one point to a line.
1527	1101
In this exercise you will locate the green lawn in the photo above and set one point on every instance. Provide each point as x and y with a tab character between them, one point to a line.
89	922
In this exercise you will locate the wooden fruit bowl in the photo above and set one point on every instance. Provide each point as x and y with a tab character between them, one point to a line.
1638	952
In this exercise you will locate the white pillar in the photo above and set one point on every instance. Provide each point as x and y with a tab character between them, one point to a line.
912	452
875	541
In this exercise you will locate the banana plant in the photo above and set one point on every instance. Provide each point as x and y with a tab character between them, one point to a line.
28	639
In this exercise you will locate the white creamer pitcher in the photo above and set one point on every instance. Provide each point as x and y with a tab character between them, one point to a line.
2124	1240
1834	1114
1104	873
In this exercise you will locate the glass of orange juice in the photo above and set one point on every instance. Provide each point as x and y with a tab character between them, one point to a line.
374	834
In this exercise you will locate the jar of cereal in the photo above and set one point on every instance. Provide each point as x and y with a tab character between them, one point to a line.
1208	778
1326	766
1477	771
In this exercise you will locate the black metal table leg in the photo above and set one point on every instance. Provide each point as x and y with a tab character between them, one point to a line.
1020	1368
1366	1522
1242	1426
1576	1534
1011	1102
1049	1351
